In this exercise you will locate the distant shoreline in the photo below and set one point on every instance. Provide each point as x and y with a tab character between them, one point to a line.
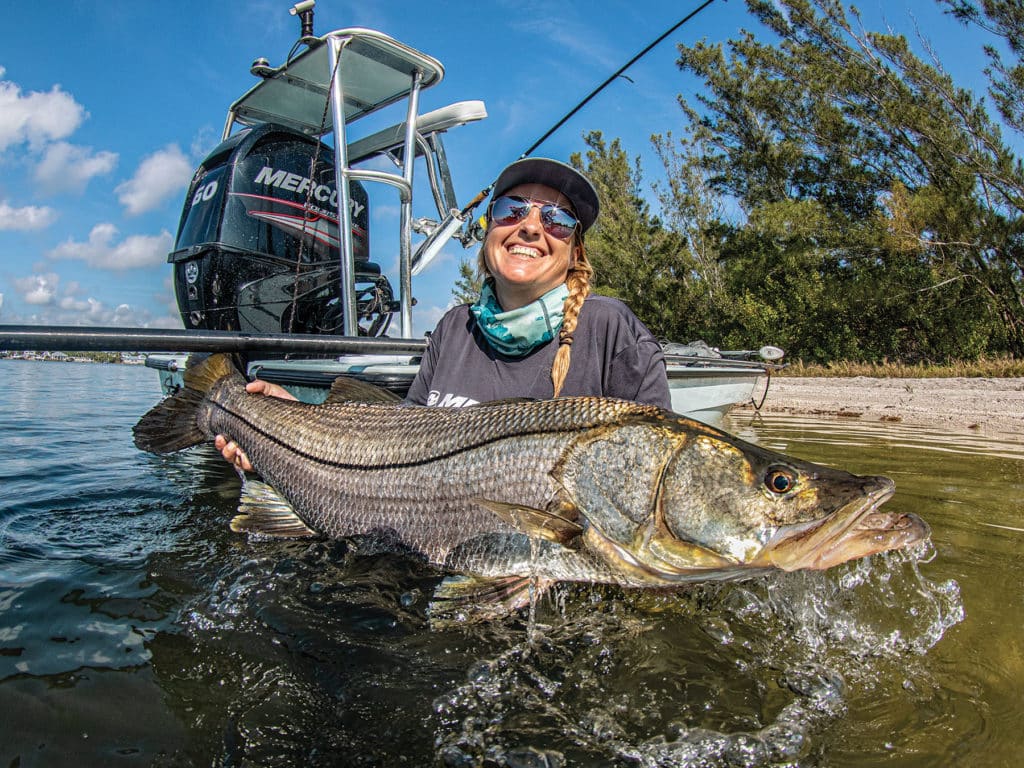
38	358
987	404
959	403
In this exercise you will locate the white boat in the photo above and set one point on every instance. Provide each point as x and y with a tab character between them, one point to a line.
704	388
274	237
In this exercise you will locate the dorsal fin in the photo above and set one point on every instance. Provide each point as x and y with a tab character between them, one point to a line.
348	389
505	401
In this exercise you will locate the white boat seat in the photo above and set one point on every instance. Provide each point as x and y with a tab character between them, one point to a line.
393	137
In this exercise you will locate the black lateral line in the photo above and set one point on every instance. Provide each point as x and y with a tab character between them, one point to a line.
390	465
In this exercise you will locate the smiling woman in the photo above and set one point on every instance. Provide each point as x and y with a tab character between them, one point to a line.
535	313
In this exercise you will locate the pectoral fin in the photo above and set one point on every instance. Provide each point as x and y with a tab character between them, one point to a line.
263	510
538	523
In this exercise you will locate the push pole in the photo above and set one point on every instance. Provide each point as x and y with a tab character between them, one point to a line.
99	339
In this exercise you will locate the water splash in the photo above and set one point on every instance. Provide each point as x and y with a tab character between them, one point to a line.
794	645
882	606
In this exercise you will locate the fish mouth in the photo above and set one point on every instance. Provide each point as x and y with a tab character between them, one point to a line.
856	530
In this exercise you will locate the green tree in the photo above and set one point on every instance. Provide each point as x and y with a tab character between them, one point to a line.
1005	19
878	207
691	209
634	257
467	288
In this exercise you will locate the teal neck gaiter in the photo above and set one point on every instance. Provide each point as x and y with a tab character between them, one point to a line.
519	331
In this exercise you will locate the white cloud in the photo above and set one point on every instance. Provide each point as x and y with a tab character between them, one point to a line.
68	168
93	312
167	299
572	33
165	321
88	312
26	217
36	117
164	173
57	305
385	212
70	303
38	289
103	252
97	313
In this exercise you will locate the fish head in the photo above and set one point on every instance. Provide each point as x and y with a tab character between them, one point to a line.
759	508
702	504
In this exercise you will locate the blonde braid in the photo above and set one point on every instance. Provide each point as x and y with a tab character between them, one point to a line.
578	281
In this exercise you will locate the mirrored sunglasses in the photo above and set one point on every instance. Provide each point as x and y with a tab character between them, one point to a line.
557	222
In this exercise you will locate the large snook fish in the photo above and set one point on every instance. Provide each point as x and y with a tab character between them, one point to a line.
573	489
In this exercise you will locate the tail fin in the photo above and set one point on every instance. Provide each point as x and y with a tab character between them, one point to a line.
171	425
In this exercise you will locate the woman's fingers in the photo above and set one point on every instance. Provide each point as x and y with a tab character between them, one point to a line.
228	448
260	387
232	453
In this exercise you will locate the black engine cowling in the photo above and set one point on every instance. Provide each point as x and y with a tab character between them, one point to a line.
257	246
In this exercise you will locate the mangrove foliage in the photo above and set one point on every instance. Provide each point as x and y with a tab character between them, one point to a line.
830	191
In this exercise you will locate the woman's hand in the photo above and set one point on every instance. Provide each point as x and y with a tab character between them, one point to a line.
260	387
228	448
232	453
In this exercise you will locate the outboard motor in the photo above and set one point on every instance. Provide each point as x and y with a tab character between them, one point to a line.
257	247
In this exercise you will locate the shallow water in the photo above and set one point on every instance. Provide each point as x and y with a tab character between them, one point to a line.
136	629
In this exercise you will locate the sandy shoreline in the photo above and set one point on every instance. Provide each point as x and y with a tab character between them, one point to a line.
995	405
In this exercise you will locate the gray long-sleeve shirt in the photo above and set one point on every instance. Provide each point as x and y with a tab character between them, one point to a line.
613	355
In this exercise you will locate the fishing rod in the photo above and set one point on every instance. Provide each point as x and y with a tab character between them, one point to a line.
614	76
455	219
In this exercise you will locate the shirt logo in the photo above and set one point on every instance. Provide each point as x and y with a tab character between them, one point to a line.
449	400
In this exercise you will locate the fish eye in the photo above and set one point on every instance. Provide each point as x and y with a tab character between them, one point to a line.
779	480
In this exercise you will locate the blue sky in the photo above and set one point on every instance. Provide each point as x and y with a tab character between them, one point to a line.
107	107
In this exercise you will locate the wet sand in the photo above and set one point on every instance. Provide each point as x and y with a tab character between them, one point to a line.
988	405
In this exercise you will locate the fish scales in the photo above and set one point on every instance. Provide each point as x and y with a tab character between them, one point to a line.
365	435
584	489
417	472
498	555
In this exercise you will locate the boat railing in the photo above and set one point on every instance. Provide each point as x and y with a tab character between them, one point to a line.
429	129
344	76
699	361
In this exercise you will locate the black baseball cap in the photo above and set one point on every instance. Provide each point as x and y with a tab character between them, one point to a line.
551	173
